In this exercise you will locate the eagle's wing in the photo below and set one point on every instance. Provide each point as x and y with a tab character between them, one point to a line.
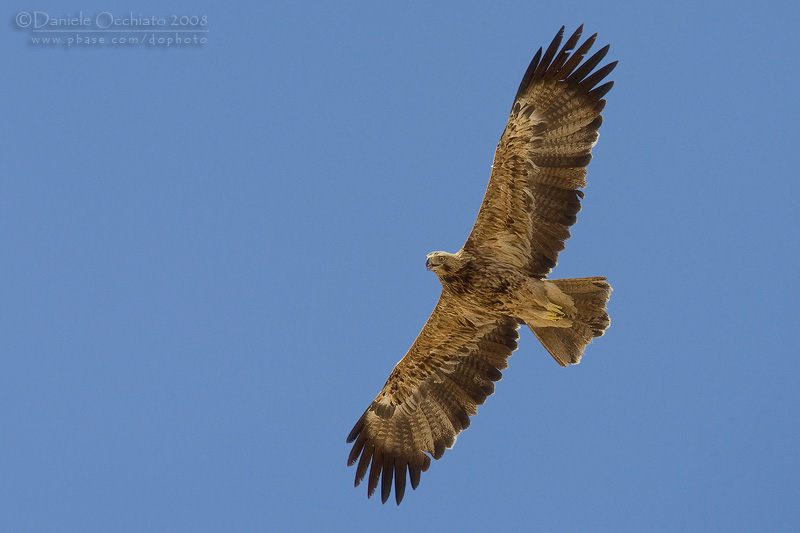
541	159
430	395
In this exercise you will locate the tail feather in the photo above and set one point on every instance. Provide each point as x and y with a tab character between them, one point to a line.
589	296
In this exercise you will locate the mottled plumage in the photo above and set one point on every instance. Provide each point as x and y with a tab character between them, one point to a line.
497	281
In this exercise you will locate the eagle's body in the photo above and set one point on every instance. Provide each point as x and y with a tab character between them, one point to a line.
497	281
479	286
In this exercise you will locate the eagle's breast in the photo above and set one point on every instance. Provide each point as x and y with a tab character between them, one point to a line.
483	285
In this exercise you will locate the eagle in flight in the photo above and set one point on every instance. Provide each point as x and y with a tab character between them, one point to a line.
498	280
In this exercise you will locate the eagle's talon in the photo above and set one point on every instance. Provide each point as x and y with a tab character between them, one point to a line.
554	313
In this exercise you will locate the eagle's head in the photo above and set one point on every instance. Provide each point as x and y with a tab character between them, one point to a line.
442	262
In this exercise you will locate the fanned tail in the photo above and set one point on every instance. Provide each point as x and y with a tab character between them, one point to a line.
589	296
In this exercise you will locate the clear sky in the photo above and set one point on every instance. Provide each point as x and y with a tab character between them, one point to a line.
214	254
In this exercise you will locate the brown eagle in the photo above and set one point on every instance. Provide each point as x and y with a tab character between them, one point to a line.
497	281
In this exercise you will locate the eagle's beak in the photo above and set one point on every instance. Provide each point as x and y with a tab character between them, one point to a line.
428	264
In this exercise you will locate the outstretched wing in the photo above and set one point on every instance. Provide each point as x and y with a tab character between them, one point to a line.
430	395
533	197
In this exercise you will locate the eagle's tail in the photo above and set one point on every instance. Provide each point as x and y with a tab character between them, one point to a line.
589	296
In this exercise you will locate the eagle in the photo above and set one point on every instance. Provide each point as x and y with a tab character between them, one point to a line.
498	280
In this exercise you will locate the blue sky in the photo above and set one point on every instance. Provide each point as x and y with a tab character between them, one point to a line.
213	256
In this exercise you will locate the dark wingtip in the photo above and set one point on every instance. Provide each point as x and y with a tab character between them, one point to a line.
600	91
596	77
549	55
386	478
414	473
438	449
426	463
528	76
551	64
399	480
363	463
356	429
578	75
358	447
374	472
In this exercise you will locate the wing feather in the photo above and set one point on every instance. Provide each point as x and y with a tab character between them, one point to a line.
429	396
533	195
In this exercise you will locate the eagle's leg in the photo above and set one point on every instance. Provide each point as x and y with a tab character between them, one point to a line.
540	303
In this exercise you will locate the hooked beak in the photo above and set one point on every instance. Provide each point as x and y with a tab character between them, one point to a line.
428	264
